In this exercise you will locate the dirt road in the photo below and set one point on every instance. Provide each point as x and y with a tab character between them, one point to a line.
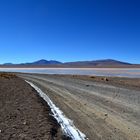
101	111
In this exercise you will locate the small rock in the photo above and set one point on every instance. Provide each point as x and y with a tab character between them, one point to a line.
92	76
0	131
106	114
23	136
123	111
24	123
105	79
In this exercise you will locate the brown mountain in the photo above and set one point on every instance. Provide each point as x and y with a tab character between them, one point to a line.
105	63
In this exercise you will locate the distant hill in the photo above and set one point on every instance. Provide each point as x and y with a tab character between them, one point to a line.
105	63
7	64
43	62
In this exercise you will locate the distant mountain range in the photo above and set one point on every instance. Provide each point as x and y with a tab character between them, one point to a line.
85	64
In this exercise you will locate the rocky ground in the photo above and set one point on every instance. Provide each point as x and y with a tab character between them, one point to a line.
23	114
102	108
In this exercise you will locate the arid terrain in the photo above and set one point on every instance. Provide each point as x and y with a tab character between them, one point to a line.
102	108
23	114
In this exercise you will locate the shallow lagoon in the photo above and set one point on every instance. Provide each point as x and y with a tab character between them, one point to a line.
121	72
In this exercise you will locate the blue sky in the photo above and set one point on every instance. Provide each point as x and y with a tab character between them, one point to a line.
69	30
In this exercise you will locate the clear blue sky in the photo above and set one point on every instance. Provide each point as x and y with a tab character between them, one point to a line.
69	30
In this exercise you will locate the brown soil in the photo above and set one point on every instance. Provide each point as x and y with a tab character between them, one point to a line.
23	114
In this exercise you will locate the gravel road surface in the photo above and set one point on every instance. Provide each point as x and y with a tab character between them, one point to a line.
101	111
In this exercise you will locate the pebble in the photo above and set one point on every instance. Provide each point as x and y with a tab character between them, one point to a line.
24	123
105	79
106	114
